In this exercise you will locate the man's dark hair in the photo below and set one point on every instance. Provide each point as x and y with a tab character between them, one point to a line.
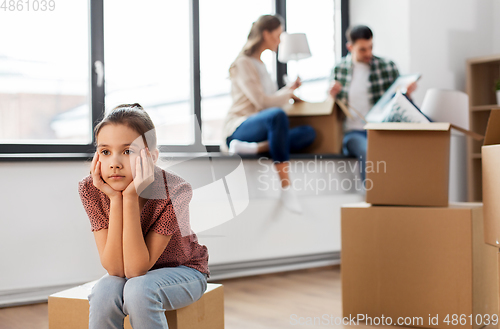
357	32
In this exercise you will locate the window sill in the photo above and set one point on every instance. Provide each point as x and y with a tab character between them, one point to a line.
15	157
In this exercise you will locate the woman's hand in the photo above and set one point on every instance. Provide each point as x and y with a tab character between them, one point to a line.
297	99
95	171
144	174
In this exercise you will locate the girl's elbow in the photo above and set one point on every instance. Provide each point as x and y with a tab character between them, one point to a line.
113	270
134	273
118	274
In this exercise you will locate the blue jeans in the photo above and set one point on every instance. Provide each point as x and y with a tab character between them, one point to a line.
354	144
272	125
144	298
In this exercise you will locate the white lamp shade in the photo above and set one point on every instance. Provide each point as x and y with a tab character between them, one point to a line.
293	46
451	106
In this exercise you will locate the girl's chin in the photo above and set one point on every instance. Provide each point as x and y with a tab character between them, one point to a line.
118	186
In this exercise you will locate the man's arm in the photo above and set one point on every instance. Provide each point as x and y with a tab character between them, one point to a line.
335	85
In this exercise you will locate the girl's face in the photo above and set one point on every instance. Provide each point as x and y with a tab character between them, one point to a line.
272	38
118	147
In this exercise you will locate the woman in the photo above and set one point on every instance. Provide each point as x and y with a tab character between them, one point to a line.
256	122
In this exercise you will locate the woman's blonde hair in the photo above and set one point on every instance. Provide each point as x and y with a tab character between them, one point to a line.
255	37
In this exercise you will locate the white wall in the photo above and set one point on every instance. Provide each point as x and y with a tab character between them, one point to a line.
443	35
45	237
431	37
496	27
389	22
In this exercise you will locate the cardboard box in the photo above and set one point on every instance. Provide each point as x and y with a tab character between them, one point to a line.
70	309
490	153
418	262
408	163
325	119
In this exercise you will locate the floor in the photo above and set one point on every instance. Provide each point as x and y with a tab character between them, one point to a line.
282	300
266	301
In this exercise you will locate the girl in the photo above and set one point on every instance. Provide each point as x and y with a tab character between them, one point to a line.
255	122
138	226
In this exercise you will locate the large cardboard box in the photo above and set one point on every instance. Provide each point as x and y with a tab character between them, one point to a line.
415	263
69	309
490	153
408	163
325	119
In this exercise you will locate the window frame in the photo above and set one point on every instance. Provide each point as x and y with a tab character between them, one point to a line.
35	152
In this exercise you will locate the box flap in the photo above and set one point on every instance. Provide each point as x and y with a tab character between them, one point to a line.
345	109
468	132
435	126
308	108
493	129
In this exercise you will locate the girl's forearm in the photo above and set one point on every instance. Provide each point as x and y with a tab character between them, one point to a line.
112	257
136	258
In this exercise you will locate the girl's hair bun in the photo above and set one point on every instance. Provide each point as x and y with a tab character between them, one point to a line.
136	106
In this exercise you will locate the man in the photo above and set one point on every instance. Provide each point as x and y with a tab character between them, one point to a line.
360	79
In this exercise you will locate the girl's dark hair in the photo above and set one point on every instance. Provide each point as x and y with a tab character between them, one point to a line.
358	32
134	117
255	38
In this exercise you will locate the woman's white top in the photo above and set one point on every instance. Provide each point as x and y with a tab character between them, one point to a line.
269	86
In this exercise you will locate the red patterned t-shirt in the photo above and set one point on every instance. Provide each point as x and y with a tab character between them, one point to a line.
166	212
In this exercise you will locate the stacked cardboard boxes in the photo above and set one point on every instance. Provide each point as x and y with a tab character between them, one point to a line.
407	255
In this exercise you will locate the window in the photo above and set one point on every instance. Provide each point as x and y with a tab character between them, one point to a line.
147	61
222	36
302	17
172	57
44	74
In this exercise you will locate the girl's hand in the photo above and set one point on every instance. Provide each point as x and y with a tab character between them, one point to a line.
95	171
144	174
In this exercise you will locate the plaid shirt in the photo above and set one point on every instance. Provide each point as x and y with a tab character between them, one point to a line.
382	74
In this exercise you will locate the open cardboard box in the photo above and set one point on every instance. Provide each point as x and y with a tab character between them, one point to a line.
490	153
418	263
408	163
325	119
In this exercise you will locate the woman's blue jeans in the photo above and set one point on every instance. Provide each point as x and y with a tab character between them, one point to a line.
272	125
144	298
354	145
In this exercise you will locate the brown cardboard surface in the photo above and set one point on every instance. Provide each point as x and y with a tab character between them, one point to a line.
491	193
308	108
324	118
442	126
416	261
492	136
408	166
490	154
70	309
437	126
